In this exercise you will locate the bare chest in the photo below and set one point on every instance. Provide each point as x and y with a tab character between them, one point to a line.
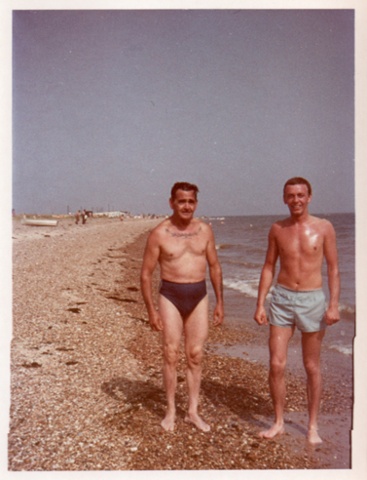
183	245
300	242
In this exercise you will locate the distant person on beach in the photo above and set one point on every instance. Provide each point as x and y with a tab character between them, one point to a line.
183	246
84	216
77	217
301	241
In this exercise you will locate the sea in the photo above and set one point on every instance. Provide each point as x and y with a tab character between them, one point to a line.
241	243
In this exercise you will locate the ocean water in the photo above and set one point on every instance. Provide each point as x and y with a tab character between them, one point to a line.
241	244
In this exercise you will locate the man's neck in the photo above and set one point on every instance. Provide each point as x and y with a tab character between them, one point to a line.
179	223
303	218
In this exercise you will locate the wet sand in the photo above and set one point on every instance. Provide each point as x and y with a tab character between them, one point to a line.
86	384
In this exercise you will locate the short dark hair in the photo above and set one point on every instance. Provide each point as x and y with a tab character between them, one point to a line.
186	187
298	181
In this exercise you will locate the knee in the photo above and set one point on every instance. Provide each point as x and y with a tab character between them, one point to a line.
170	354
277	367
194	356
312	368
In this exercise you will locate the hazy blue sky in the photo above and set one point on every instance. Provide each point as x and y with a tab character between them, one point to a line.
110	108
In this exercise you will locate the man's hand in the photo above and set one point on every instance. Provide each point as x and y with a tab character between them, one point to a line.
218	316
260	316
332	315
155	321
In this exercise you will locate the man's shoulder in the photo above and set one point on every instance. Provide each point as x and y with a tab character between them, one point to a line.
320	222
202	223
161	227
204	227
279	224
323	228
157	232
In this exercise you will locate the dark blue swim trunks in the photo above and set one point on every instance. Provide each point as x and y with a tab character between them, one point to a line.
184	296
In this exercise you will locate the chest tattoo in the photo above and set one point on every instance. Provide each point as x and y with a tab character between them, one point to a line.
183	234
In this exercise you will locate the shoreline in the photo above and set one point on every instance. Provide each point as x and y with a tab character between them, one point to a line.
86	386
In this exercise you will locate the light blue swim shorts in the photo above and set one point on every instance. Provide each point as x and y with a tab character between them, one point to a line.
303	309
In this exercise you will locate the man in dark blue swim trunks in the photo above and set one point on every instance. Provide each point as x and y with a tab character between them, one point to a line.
183	246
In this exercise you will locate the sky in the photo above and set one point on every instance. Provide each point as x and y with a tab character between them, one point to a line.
110	108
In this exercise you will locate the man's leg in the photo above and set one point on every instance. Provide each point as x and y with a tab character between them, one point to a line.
196	332
171	337
278	347
311	348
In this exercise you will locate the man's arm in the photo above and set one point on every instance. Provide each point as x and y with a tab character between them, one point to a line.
215	272
150	259
266	278
331	256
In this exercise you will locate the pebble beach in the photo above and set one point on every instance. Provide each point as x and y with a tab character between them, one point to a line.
86	386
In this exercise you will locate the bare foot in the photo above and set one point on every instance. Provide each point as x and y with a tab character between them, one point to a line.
197	421
313	437
273	431
168	423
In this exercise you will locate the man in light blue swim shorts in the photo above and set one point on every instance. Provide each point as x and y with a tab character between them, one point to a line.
302	309
300	242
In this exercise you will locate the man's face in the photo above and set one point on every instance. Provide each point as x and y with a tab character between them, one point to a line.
297	198
184	204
